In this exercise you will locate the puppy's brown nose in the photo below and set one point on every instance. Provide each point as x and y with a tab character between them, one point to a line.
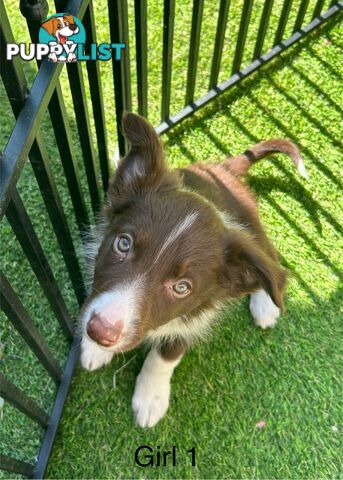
103	332
73	27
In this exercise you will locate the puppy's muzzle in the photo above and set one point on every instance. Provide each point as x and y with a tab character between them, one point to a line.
104	332
73	27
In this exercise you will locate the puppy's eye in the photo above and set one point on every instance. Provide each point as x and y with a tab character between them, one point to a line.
59	25
182	288
123	243
66	23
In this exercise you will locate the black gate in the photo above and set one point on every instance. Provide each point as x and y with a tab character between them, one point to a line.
28	141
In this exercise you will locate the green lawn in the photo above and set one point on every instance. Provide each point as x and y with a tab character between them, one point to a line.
288	377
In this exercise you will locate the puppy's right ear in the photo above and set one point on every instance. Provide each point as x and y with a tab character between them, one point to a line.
144	168
49	26
247	268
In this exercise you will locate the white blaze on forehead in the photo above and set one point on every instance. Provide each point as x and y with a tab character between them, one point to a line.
180	228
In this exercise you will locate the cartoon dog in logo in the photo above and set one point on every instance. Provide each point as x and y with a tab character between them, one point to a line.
62	28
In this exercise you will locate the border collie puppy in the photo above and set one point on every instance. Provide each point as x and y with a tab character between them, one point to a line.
171	248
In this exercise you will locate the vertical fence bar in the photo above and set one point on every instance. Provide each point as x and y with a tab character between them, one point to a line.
61	126
126	60
301	15
287	5
40	164
267	9
141	55
219	42
15	83
194	49
242	35
17	397
121	69
11	72
16	466
168	35
23	229
318	8
23	323
94	76
16	88
84	128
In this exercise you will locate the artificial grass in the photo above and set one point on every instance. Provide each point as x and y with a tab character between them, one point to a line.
288	377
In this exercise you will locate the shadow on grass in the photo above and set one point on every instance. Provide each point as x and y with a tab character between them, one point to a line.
319	91
264	185
228	97
292	185
304	112
267	184
281	126
326	65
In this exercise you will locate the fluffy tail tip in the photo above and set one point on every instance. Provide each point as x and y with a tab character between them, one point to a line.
301	169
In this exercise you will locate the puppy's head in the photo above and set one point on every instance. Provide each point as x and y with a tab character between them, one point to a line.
61	27
166	253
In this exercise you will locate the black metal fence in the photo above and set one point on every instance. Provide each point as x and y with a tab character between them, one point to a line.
28	141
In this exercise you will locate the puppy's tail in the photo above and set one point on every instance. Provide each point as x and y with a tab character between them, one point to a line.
240	164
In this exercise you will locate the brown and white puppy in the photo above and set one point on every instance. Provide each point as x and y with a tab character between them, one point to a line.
171	248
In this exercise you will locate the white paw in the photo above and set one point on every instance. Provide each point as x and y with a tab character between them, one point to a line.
52	57
263	309
93	356
150	400
71	57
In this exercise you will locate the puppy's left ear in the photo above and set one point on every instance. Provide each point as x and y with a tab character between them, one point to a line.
69	18
247	268
144	168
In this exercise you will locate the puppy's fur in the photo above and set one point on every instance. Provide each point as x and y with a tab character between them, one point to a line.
170	249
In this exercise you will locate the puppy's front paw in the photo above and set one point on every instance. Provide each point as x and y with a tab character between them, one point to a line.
92	356
52	57
71	57
263	309
150	400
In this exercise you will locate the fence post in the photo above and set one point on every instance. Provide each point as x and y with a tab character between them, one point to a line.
15	84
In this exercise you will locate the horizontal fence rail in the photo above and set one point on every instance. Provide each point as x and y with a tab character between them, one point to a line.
257	63
47	97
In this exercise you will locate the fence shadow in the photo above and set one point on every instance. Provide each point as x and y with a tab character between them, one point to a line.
319	91
228	97
290	184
